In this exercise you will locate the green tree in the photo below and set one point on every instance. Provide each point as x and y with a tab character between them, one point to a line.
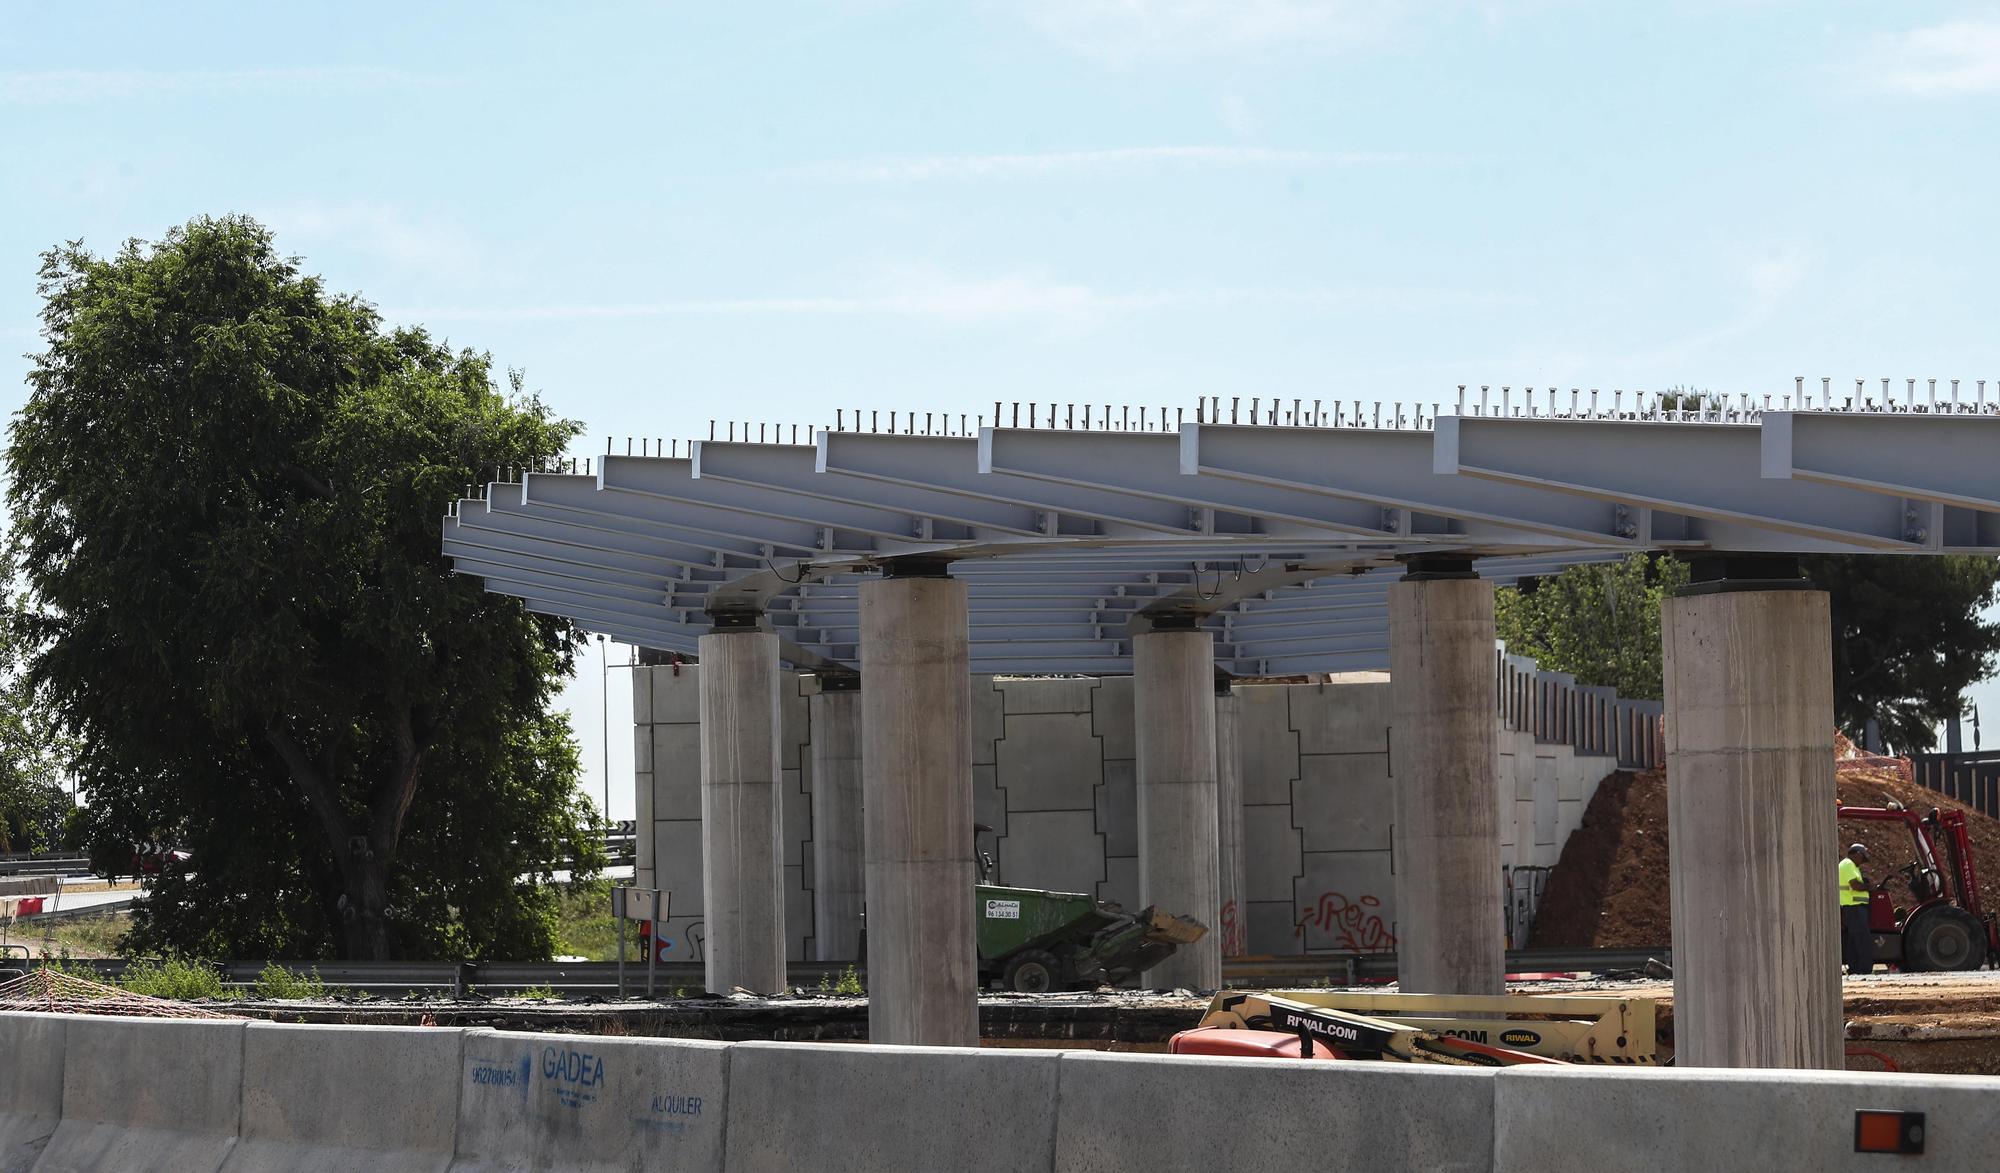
226	491
1908	637
1599	622
33	756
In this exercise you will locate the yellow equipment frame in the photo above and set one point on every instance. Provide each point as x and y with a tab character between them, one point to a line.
1576	1029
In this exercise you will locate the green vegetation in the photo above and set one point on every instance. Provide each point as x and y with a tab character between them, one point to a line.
585	925
34	810
543	993
1908	637
225	490
96	935
847	984
1599	622
177	978
276	983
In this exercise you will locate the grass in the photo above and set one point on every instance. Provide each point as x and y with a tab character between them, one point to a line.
79	936
176	978
848	983
587	928
542	993
276	983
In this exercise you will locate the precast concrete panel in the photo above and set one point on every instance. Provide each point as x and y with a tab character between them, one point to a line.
838	1109
1186	1114
1343	802
1557	1119
1060	851
1340	718
1050	761
1347	901
539	1103
120	1109
31	1086
320	1099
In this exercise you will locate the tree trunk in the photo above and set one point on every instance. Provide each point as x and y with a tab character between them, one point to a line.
364	922
362	848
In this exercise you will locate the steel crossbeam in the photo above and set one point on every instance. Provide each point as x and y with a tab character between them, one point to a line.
1282	539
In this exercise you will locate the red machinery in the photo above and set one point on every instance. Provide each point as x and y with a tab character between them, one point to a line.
1944	929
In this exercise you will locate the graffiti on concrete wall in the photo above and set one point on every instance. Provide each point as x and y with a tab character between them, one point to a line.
1233	944
1353	924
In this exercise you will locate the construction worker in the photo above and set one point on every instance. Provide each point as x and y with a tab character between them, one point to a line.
1857	950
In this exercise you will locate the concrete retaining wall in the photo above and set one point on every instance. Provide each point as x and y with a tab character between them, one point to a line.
848	1109
31	1086
1580	1120
1052	774
142	1093
1193	1115
330	1099
590	1104
139	1094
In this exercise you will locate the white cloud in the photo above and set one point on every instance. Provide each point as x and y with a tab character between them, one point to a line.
1003	299
1126	30
376	230
51	86
1961	57
1070	162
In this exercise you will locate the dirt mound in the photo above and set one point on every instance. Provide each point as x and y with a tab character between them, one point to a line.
1609	889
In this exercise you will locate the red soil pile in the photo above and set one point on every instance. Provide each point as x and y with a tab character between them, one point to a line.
1609	889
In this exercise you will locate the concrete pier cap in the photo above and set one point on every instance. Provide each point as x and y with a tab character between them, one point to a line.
1751	803
1444	763
916	769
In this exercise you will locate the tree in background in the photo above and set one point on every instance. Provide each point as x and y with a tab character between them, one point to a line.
226	491
1599	622
33	757
1908	638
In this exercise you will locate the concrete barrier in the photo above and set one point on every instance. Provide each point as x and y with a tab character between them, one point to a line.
588	1103
835	1108
319	1099
1162	1114
1561	1119
31	1086
146	1094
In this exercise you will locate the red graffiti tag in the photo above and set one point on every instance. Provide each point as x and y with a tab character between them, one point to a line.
1353	925
1232	931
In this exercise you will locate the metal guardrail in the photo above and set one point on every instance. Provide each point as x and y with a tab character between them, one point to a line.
29	865
600	978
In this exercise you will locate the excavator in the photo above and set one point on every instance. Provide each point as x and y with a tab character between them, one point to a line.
1944	928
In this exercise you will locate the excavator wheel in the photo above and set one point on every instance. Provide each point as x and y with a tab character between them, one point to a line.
1944	937
1032	971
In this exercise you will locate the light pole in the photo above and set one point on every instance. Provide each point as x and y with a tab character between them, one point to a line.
604	712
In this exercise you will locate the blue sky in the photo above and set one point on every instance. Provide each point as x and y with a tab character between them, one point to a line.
671	213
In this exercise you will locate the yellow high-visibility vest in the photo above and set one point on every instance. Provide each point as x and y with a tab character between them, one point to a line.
1849	872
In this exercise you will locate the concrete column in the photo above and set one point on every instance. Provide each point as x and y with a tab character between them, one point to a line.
1444	761
838	856
916	737
1232	922
742	869
1754	843
1173	698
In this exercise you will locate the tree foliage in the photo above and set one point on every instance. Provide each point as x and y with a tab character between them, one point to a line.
1599	622
33	755
226	491
1908	636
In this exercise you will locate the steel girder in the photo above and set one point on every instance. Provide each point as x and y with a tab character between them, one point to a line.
1282	539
